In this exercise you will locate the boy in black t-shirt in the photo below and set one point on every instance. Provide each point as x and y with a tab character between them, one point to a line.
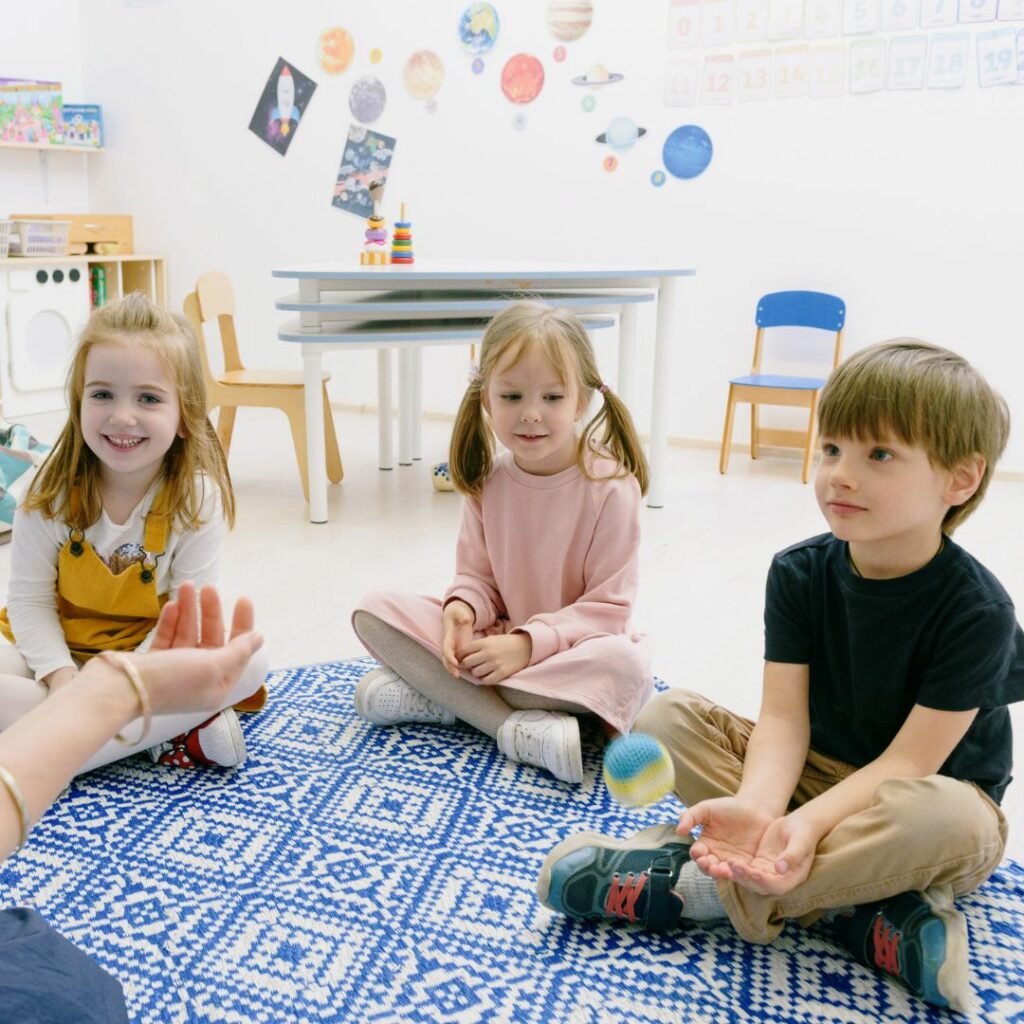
869	787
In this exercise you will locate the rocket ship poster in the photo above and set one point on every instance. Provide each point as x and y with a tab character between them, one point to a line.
282	105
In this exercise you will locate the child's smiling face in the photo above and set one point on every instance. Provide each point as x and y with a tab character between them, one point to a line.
534	413
130	412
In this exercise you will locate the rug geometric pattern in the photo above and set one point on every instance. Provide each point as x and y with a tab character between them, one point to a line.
348	873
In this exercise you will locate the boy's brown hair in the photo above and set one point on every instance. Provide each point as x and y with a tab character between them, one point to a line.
925	396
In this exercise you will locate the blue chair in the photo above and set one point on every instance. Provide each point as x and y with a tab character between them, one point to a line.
785	309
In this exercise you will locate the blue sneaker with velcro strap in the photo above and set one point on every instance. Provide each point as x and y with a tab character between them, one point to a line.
594	877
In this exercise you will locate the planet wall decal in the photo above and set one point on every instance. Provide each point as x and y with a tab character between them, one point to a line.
687	151
568	20
423	75
522	78
478	28
334	50
367	99
621	134
597	75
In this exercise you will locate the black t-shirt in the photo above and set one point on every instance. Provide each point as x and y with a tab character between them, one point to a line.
945	637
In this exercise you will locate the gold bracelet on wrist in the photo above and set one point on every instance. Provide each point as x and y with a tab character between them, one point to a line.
119	661
10	783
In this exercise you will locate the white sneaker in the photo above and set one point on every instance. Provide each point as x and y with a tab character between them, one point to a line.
547	739
384	698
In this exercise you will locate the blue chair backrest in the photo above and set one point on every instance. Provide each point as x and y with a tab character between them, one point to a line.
801	309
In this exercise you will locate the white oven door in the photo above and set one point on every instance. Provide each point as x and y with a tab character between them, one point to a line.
46	307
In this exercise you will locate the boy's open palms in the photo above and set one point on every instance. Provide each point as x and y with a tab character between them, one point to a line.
745	845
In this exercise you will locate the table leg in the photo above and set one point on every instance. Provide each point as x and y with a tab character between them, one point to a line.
384	406
406	372
316	465
417	404
666	339
626	386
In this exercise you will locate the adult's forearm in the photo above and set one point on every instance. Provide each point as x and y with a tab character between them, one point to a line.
774	760
46	747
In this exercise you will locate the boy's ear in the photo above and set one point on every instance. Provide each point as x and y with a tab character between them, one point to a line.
965	479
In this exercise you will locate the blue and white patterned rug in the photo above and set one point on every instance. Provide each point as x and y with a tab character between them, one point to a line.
353	874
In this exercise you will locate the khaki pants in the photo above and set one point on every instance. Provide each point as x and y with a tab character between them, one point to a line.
915	833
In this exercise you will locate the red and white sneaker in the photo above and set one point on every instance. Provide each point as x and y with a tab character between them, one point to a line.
217	741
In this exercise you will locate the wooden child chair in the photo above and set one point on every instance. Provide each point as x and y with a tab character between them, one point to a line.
785	309
214	299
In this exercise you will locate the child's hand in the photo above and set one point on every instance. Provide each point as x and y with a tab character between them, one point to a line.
458	618
782	860
495	658
60	677
733	830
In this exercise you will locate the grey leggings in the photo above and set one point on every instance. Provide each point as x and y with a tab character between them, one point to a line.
483	707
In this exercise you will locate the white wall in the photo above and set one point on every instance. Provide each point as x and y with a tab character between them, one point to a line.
909	205
43	40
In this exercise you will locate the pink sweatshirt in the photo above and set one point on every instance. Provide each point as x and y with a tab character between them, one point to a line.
555	555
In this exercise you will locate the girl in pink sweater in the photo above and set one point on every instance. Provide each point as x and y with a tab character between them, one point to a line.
535	628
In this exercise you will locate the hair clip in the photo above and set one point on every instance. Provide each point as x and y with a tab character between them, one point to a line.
474	376
603	388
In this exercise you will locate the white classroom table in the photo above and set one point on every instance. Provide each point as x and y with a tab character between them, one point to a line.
346	306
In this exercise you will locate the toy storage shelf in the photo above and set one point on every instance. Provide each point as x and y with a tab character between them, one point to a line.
133	272
48	147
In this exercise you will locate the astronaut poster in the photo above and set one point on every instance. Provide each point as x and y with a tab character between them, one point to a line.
281	106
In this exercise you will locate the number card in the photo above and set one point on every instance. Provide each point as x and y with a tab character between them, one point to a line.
978	10
997	57
936	13
754	75
822	18
826	71
684	23
752	20
908	60
785	19
681	75
716	85
791	71
947	60
717	22
867	65
1011	10
859	17
900	15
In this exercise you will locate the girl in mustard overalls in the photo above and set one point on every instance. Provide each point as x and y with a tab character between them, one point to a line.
132	501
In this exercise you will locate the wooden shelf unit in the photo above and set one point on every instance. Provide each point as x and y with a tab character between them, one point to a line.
125	273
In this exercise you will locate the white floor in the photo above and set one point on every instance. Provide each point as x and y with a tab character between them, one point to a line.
704	555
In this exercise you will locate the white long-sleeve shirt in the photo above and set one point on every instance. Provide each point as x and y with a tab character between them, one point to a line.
35	545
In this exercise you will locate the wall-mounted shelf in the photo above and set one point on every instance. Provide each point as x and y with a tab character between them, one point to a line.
49	148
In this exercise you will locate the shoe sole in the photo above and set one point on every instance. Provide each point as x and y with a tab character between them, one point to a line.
561	866
237	740
946	945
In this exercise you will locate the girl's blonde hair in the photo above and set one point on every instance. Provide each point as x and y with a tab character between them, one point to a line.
924	395
71	464
563	340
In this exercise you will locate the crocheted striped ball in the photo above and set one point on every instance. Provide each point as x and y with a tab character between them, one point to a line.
638	770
